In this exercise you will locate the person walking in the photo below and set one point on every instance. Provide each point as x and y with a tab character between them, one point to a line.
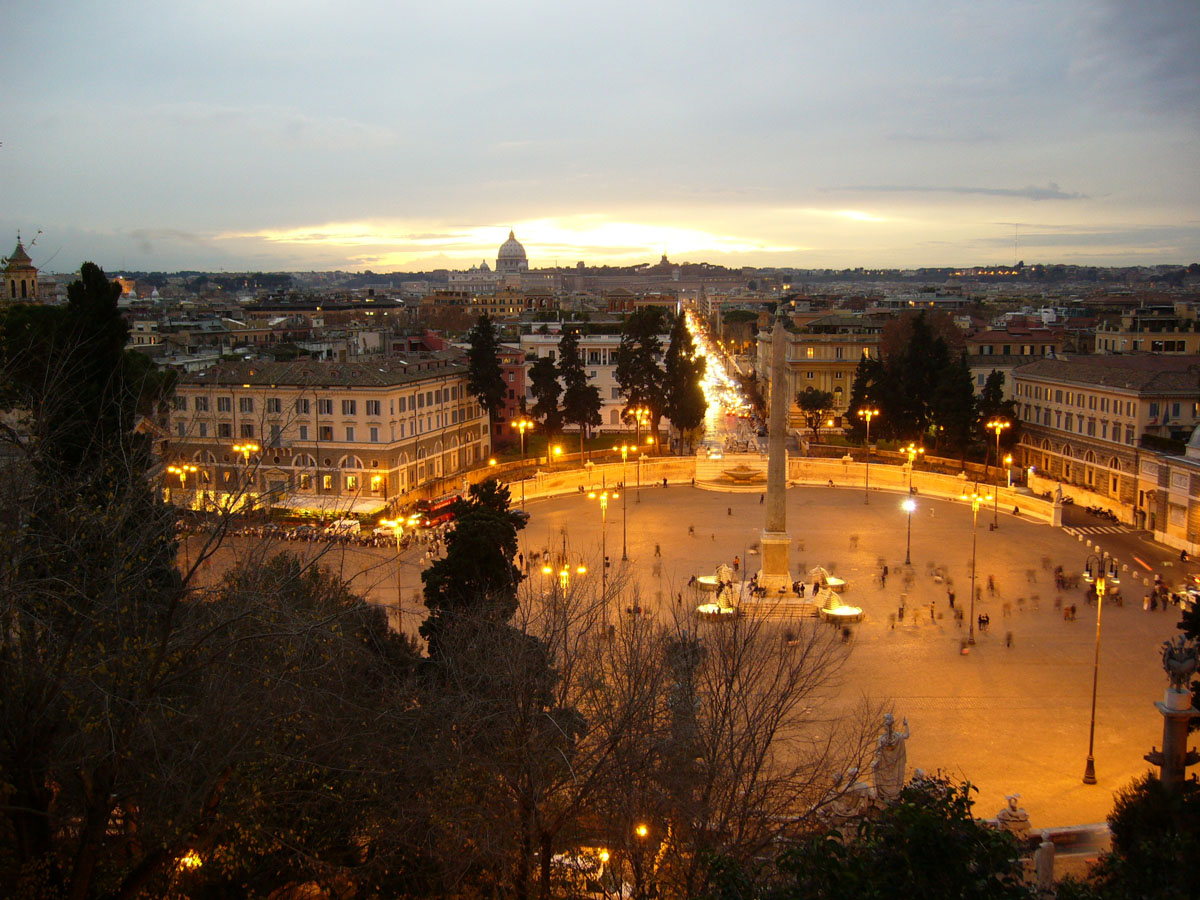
737	561
950	594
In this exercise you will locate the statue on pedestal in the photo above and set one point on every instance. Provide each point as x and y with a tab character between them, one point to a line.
891	759
1012	819
1180	662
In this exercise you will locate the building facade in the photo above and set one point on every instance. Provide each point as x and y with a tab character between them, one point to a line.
20	275
330	435
1084	420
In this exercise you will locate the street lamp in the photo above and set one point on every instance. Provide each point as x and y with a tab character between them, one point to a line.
603	497
246	450
397	526
1102	570
555	453
909	505
182	470
522	425
976	499
998	425
1008	467
867	413
624	451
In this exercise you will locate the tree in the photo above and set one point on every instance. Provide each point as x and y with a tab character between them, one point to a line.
485	379
581	399
952	410
868	388
926	844
816	405
543	382
478	576
641	377
685	400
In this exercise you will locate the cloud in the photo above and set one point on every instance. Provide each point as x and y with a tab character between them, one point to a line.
1030	192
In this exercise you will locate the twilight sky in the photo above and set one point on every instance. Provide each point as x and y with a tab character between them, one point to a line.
399	135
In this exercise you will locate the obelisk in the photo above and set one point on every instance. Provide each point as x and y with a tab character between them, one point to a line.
776	542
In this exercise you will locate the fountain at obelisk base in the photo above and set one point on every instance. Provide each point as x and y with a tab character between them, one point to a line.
775	577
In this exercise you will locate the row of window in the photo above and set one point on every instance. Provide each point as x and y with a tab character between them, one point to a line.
1078	399
838	352
1077	424
303	405
274	433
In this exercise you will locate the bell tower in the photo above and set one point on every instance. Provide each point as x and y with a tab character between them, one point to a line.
20	276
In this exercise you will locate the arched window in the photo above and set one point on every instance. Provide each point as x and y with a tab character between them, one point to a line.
350	462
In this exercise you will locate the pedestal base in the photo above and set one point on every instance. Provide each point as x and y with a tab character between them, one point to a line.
776	572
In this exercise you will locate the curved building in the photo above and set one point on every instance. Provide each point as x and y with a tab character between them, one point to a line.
511	259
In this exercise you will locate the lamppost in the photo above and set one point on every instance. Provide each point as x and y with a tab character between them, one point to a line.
912	451
998	425
603	497
1102	570
976	499
1008	467
867	413
182	470
624	451
397	526
522	425
246	450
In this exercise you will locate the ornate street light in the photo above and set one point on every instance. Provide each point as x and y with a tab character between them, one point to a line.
624	451
998	425
867	413
182	470
522	425
1100	569
397	526
976	499
603	497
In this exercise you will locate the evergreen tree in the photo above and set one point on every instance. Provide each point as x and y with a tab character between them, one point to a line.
543	383
581	400
641	377
685	401
485	379
867	389
952	410
914	377
478	576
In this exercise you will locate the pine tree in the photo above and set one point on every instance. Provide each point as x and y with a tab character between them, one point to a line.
953	406
485	379
685	400
641	377
581	399
543	383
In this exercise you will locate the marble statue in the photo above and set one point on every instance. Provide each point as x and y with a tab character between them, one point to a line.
891	759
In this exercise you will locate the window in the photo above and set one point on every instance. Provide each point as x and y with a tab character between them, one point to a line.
276	435
374	434
179	403
809	352
274	405
303	407
837	352
245	404
429	398
180	429
247	430
224	430
810	375
325	407
325	433
224	404
1154	409
304	432
305	481
373	408
511	377
403	404
201	404
420	401
203	429
1058	397
349	408
616	393
327	482
1175	410
352	482
349	432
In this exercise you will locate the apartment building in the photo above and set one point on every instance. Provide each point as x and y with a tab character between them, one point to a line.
1153	328
823	355
1084	420
331	435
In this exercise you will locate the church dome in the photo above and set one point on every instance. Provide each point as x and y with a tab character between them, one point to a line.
511	256
511	249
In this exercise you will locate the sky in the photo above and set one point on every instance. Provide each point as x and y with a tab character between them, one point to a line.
364	134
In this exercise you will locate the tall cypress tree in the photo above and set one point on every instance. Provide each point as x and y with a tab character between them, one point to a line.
543	383
641	377
685	401
485	379
581	399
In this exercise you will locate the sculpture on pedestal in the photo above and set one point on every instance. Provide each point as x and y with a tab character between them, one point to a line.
891	759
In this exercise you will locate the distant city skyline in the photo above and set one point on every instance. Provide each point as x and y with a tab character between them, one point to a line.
390	137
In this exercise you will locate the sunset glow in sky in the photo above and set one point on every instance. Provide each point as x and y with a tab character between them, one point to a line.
400	135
